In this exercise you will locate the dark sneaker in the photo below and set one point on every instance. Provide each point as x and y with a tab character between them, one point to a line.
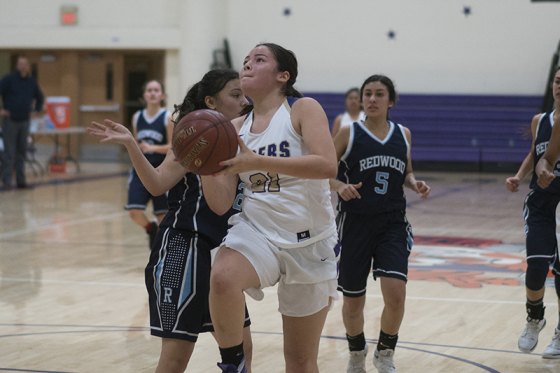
231	368
24	186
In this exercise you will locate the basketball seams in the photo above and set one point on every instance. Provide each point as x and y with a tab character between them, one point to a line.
213	149
187	145
202	157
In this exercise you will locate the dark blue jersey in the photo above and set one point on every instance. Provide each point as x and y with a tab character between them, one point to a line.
381	167
153	132
542	136
188	210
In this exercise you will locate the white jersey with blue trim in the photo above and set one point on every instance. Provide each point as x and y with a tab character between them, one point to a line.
290	211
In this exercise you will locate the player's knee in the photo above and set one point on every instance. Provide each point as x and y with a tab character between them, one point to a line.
298	359
395	302
535	277
352	308
220	282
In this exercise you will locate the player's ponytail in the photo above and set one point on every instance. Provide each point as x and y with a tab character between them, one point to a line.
189	104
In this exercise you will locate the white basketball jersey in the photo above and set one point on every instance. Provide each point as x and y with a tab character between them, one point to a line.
289	211
347	120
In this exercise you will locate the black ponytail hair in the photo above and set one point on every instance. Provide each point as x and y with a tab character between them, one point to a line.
210	85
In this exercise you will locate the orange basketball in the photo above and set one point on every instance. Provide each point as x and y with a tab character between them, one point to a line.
202	139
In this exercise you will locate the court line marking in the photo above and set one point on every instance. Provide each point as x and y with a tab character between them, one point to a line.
68	223
273	291
32	370
338	338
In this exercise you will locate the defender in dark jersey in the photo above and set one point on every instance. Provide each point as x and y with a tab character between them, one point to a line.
374	166
178	272
151	128
539	212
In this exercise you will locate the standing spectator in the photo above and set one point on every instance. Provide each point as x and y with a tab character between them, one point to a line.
375	166
20	96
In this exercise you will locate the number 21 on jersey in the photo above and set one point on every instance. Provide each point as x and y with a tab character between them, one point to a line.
261	183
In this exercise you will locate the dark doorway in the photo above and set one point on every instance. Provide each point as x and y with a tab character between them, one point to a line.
139	68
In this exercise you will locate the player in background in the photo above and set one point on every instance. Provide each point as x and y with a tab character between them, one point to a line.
187	233
352	111
152	128
539	213
375	164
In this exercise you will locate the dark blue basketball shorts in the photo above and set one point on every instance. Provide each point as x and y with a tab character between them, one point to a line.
539	212
178	283
381	243
138	196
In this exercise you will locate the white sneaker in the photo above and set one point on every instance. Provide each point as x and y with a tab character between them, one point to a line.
357	361
552	351
383	361
530	337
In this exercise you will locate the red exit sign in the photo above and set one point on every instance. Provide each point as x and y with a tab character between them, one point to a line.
68	15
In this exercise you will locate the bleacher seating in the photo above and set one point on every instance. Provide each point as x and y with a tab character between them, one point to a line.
486	131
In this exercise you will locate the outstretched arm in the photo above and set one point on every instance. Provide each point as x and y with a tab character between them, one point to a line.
156	180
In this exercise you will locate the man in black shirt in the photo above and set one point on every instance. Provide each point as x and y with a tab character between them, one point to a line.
20	95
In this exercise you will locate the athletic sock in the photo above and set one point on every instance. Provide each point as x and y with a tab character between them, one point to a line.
356	342
232	355
535	309
387	341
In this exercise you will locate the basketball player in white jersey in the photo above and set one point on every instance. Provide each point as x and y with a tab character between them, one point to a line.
286	232
353	111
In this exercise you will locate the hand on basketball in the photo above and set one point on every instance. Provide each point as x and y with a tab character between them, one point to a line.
109	131
545	178
512	183
245	160
349	191
422	188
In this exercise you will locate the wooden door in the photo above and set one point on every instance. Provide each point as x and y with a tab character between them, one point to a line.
101	86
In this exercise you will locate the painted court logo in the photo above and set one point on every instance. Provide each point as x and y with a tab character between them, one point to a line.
467	263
